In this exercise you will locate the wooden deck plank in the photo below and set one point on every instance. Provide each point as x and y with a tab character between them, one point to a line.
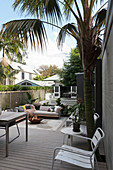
37	153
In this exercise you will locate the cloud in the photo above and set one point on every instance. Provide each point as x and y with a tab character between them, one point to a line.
51	56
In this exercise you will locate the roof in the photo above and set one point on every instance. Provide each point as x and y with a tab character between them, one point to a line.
25	68
56	77
19	66
35	83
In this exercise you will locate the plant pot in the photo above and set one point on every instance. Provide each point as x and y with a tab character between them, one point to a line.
76	127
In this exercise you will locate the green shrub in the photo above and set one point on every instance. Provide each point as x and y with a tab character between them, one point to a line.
18	88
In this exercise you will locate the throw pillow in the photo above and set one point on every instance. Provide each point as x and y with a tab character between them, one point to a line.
52	108
21	109
44	108
57	108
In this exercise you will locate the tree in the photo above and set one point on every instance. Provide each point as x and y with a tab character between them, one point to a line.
48	71
40	77
14	51
6	72
11	48
85	28
72	66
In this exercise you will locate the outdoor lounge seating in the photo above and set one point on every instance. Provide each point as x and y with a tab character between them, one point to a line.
44	111
79	157
48	111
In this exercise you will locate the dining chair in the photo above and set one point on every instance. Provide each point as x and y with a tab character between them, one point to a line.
3	127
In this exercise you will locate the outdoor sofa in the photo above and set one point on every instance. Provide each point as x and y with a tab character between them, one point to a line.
43	111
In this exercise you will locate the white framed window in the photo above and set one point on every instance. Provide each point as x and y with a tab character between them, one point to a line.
30	76
23	76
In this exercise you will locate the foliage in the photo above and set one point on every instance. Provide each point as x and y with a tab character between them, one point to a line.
18	87
78	112
46	104
14	51
58	102
6	72
30	99
48	71
40	77
72	66
85	29
11	48
64	110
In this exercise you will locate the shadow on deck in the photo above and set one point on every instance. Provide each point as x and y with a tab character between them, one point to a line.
37	153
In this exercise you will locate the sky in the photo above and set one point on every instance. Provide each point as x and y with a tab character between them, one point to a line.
51	56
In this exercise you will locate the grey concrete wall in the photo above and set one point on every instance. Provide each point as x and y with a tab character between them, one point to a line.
15	98
107	89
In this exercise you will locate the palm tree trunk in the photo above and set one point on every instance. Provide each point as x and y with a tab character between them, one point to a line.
3	52
88	101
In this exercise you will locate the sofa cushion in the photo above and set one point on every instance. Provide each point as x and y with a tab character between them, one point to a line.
37	106
28	106
40	112
44	108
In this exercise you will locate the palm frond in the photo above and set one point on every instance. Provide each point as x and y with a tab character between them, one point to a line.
25	29
70	29
48	9
66	9
78	10
10	47
68	6
12	74
100	17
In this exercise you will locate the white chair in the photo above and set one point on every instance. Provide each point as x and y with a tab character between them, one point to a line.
79	157
84	127
96	117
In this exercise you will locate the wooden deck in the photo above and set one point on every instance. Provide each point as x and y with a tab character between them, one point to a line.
36	154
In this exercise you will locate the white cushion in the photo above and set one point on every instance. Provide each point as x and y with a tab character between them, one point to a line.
44	108
57	108
40	112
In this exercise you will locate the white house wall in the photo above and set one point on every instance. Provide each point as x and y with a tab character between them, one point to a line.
107	87
26	76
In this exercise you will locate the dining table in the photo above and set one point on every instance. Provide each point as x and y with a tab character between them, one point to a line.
8	119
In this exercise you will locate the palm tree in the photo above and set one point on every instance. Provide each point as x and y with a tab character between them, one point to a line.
13	50
86	29
7	73
10	48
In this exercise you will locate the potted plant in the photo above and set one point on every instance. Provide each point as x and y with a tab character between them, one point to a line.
76	120
77	114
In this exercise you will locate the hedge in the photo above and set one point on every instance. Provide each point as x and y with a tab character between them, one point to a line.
19	88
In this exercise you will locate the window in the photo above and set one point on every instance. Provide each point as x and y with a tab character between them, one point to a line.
23	75
30	76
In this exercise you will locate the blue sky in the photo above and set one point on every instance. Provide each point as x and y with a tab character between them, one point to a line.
52	55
